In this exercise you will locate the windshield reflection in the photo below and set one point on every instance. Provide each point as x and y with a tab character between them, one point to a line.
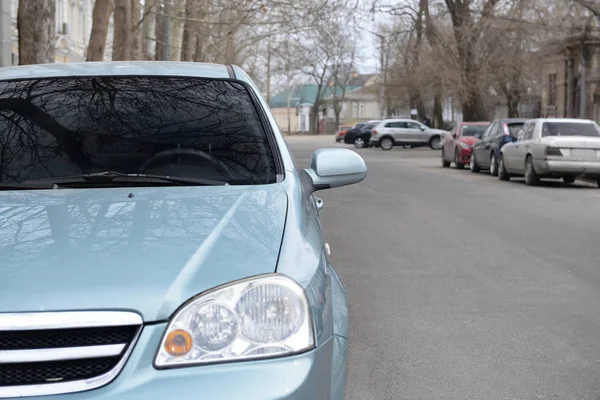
156	125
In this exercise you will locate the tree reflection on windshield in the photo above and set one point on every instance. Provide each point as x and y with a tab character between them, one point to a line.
160	125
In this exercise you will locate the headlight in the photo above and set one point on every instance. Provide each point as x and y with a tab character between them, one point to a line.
465	146
261	317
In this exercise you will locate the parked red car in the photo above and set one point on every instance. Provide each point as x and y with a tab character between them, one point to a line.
458	145
343	129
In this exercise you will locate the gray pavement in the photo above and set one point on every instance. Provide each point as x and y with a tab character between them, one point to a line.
461	286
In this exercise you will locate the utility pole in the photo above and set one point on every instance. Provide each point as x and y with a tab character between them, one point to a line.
382	78
166	48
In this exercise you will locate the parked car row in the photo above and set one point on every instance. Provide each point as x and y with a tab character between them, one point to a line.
394	132
535	149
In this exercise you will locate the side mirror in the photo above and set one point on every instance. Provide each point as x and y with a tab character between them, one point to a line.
454	135
330	168
423	128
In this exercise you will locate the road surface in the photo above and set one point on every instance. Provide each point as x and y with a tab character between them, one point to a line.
461	286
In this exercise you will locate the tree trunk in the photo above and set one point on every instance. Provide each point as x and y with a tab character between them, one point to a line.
136	32
122	37
159	34
37	26
100	20
150	7
314	119
512	102
416	101
473	107
188	42
438	113
178	12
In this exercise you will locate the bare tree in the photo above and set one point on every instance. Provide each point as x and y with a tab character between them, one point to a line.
592	5
314	57
344	57
37	26
161	18
100	20
177	20
122	39
467	33
148	23
190	28
136	31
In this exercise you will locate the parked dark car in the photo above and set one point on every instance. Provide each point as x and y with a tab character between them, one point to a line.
360	135
486	152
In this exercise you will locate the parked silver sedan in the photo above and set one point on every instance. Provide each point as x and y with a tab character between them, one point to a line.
553	148
391	132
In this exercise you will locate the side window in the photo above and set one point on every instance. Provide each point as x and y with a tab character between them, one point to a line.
396	124
412	125
489	132
500	130
530	131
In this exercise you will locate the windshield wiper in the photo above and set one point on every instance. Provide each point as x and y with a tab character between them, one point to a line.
113	176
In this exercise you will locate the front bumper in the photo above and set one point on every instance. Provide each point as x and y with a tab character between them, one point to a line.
584	169
465	155
316	374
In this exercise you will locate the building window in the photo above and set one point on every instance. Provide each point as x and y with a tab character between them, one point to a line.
551	89
354	110
361	110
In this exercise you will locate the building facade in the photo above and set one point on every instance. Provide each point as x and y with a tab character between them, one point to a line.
73	27
571	79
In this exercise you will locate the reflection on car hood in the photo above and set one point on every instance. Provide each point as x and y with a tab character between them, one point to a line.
103	249
470	140
573	141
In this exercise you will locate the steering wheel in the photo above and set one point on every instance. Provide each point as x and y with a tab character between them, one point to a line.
163	157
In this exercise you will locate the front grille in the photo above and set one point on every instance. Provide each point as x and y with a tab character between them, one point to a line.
55	371
61	338
57	353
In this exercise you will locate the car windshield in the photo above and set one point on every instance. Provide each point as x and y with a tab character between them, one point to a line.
368	127
570	129
514	128
175	126
473	130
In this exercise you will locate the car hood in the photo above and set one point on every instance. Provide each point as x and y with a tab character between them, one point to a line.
586	142
142	249
470	140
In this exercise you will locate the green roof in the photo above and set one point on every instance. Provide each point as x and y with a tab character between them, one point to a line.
303	94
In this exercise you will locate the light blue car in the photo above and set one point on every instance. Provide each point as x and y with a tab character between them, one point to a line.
157	240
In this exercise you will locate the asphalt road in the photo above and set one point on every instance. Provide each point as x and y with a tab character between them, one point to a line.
461	286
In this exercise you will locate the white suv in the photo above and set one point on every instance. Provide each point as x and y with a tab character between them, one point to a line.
392	132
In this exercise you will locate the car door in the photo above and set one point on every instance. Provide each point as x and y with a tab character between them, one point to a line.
398	131
485	145
520	148
481	148
414	132
391	128
449	144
